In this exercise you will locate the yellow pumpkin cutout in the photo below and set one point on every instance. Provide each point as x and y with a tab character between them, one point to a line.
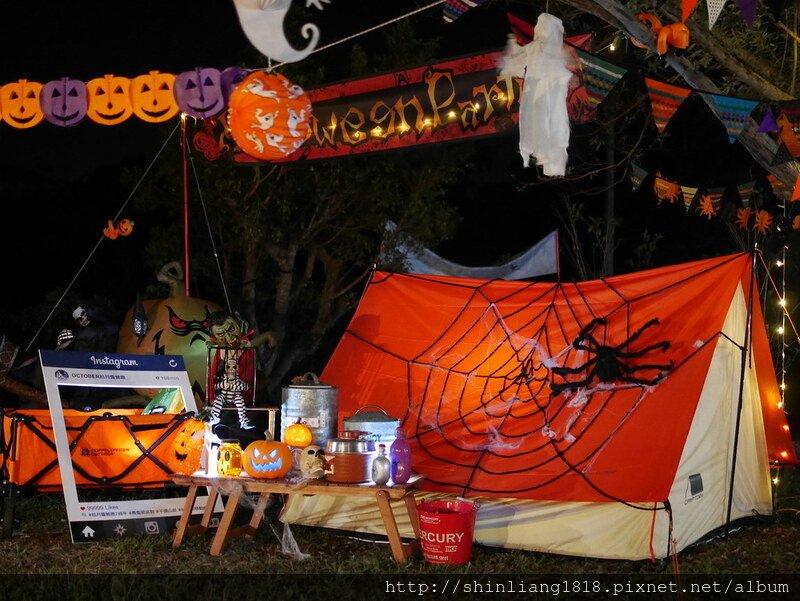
268	116
267	459
20	102
187	447
109	99
152	97
298	435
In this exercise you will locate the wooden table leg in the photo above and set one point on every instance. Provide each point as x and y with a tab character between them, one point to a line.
395	542
227	518
258	512
411	507
183	523
213	493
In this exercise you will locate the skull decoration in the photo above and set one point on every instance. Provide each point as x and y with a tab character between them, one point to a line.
81	316
312	462
64	101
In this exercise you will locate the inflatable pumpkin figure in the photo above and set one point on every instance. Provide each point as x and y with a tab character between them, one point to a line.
177	325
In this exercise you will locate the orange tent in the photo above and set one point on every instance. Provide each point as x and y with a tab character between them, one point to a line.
650	394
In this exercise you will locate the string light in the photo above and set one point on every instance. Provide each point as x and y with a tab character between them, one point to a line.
775	480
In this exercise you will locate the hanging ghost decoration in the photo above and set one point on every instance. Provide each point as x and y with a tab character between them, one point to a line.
199	92
64	101
543	117
262	22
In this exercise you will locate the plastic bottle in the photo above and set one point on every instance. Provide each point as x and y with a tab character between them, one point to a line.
381	467
400	456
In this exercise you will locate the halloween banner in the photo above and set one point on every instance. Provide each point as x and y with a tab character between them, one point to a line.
457	99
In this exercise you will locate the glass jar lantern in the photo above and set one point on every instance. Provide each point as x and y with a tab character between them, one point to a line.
229	461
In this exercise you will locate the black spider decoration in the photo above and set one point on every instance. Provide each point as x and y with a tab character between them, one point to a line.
609	363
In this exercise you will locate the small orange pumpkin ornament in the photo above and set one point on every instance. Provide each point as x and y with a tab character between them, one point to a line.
20	102
187	447
152	97
298	435
268	116
109	99
267	459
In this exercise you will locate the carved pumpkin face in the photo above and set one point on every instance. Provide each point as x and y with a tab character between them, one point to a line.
179	325
268	116
109	99
152	97
298	435
199	92
125	227
20	101
267	459
187	447
64	101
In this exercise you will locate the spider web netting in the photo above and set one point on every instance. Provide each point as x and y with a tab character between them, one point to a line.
578	392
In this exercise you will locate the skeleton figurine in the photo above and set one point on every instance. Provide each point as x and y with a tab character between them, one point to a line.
230	389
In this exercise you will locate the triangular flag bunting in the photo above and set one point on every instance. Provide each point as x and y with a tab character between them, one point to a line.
666	191
598	76
774	181
665	99
710	202
746	192
687	6
714	9
796	192
453	9
733	112
716	197
789	124
689	193
762	222
748	8
768	123
637	175
782	155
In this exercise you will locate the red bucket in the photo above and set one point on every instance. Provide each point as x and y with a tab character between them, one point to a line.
446	529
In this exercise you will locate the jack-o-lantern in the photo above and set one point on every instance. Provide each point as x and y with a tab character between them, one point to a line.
152	97
20	101
199	92
267	459
268	115
109	99
187	447
298	435
64	102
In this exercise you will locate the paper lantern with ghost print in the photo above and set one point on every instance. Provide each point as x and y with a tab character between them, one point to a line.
268	115
64	102
109	99
21	106
199	92
152	97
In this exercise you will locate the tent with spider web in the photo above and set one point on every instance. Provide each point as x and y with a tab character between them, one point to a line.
627	417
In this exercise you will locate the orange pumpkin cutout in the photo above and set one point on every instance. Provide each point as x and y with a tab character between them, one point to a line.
187	447
20	102
268	116
152	97
109	99
267	459
298	435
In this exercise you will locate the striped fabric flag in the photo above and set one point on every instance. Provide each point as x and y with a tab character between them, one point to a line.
733	112
598	76
746	192
774	181
453	9
716	197
665	99
689	194
666	191
637	175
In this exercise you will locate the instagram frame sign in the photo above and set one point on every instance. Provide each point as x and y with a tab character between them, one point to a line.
108	450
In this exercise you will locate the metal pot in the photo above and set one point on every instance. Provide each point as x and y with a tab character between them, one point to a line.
380	425
349	458
315	402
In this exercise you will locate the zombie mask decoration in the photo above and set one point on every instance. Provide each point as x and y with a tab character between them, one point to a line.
199	92
109	99
64	101
152	97
20	102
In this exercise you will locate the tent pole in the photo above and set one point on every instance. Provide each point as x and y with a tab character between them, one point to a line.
187	270
743	364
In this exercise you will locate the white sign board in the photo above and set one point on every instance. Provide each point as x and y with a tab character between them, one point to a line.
94	520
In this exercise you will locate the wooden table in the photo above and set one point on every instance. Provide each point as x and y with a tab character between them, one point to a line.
235	487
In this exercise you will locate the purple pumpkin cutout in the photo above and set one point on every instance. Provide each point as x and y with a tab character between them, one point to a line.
231	78
199	92
64	101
